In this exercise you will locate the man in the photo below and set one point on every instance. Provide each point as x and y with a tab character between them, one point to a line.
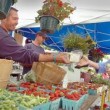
10	49
35	45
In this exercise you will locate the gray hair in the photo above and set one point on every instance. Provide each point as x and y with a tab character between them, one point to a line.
12	8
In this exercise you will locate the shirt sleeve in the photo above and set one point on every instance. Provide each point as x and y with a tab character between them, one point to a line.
10	49
102	67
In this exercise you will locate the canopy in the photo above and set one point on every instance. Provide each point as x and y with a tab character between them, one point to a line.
99	32
88	18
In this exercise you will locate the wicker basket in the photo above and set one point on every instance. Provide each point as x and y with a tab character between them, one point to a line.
3	84
5	71
48	73
4	7
48	23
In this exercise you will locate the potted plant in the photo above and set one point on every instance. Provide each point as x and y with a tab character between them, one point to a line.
96	54
74	41
5	6
52	13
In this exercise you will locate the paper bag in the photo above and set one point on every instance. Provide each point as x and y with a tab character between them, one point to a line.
5	71
48	73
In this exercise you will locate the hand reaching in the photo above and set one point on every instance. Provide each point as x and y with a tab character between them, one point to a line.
83	62
63	58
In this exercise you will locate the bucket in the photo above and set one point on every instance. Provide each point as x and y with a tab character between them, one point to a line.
4	7
5	71
48	23
48	73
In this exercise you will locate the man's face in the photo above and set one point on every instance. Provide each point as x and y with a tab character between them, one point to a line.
12	20
41	39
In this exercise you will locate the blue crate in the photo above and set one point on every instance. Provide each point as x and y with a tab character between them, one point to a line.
55	105
73	104
92	92
82	99
86	96
42	106
70	104
39	107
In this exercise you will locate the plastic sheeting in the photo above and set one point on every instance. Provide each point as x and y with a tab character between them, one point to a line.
100	33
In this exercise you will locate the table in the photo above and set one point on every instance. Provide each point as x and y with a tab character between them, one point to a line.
88	103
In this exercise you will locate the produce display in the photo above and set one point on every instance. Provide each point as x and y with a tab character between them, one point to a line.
12	100
99	80
31	95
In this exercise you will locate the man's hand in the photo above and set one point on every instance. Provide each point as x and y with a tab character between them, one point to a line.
63	58
58	57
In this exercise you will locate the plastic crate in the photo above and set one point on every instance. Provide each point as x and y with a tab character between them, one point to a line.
42	106
73	104
69	104
92	92
86	96
82	99
39	107
97	91
55	105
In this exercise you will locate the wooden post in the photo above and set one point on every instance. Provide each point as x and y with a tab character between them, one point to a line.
109	94
102	100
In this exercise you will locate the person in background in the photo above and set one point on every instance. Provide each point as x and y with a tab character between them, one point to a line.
106	74
36	46
86	76
10	49
28	41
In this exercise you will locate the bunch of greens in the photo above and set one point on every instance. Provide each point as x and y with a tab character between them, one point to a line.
99	80
75	41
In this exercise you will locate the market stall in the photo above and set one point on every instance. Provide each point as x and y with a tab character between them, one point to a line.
48	85
46	93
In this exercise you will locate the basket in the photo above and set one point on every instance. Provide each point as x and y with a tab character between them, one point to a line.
4	7
3	84
48	23
48	73
5	71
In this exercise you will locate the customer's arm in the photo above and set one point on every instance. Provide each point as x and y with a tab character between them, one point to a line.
93	64
86	61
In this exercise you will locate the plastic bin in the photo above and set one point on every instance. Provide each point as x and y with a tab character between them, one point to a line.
48	73
73	104
55	105
45	106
